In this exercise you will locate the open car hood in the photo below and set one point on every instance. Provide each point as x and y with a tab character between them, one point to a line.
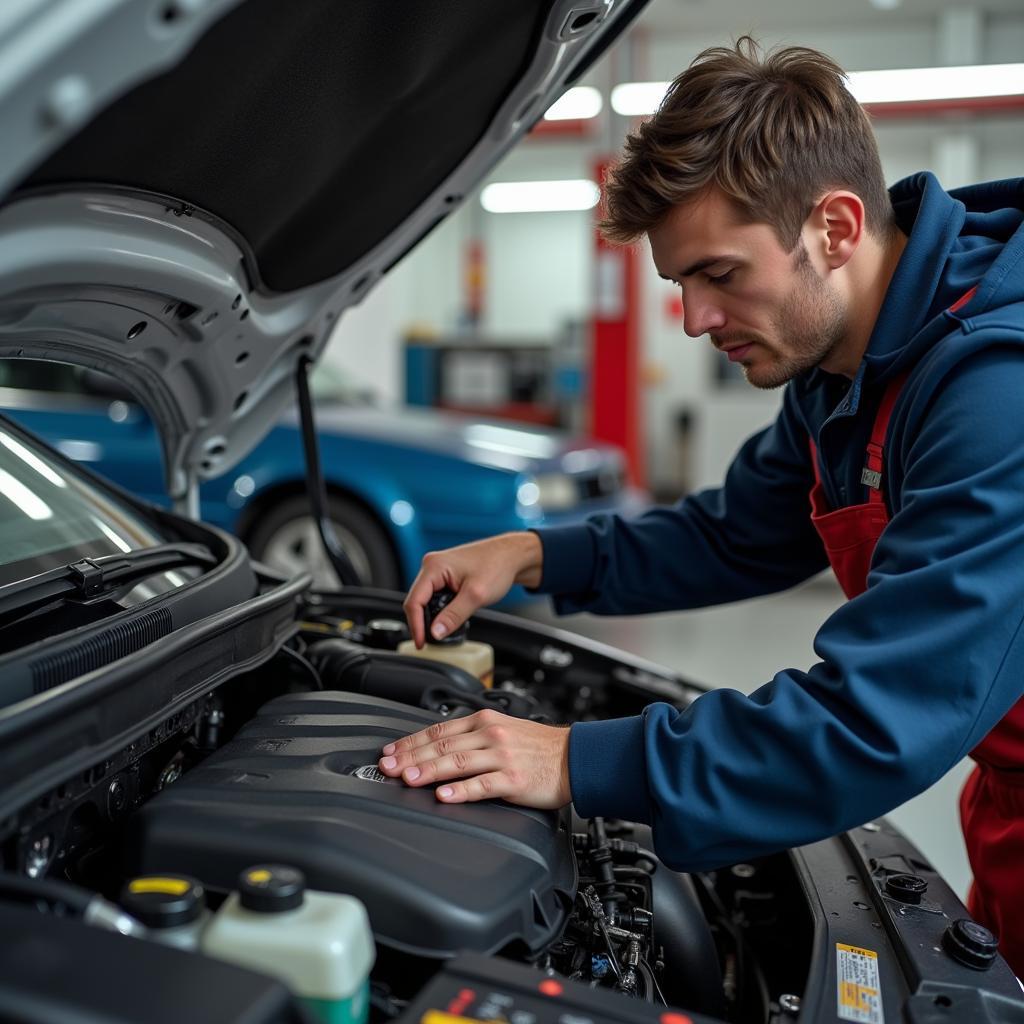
193	191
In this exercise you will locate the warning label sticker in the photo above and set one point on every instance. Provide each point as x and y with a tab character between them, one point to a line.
859	992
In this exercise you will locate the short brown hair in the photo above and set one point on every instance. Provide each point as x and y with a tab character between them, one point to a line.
773	131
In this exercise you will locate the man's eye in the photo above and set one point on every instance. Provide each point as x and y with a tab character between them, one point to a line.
721	278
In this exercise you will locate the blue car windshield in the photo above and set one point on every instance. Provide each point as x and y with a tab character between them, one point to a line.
50	515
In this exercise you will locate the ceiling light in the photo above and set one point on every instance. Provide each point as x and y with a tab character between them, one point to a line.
578	104
901	85
540	196
637	99
909	85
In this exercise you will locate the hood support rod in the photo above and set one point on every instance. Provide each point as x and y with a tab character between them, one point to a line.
315	488
187	504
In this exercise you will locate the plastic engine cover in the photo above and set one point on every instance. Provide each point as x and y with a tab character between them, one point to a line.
298	785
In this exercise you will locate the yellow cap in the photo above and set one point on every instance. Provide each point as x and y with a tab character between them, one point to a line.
170	886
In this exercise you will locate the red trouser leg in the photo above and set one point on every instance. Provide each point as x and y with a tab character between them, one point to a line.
992	815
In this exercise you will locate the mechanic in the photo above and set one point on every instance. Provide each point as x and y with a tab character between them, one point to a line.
897	321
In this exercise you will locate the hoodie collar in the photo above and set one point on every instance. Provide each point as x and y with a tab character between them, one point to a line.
932	220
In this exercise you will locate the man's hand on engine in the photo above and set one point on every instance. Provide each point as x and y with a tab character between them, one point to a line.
492	755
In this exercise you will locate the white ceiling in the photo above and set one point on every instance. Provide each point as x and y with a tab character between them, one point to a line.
737	16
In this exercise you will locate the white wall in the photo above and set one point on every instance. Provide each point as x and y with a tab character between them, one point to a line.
365	341
538	264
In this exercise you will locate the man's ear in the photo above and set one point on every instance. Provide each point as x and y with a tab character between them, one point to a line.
837	221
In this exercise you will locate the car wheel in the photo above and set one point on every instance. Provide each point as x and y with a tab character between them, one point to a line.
285	537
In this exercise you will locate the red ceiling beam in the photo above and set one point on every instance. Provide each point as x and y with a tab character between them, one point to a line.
574	128
961	105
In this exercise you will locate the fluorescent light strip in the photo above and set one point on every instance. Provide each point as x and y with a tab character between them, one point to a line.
580	103
911	85
540	196
901	85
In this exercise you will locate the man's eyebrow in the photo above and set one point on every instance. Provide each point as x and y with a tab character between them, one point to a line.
702	264
708	261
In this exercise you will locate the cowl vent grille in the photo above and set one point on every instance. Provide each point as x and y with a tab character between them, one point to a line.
116	642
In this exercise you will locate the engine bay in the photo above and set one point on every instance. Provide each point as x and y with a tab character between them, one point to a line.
277	764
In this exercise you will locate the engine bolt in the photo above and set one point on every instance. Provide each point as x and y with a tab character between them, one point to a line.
789	1005
117	798
170	774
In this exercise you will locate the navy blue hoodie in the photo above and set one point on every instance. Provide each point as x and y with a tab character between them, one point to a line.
912	673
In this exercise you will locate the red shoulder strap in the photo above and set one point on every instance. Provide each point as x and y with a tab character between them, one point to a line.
874	465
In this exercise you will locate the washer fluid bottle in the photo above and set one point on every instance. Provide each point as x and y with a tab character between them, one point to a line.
318	943
475	657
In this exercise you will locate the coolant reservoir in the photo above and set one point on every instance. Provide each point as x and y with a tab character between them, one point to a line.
475	657
318	943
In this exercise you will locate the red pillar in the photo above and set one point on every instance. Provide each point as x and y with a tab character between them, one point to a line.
615	357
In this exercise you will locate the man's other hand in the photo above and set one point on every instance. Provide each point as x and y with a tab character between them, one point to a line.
480	574
492	755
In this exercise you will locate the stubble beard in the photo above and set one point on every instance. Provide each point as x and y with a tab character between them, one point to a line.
812	322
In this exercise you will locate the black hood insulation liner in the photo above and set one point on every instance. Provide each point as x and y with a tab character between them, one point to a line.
313	129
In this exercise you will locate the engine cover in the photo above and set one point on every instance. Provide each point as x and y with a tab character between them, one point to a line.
298	785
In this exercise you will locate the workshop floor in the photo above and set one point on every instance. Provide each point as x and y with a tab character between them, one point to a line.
742	646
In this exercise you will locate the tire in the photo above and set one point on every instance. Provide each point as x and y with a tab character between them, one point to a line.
285	537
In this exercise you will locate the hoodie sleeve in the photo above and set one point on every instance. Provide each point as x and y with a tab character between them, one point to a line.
749	537
913	672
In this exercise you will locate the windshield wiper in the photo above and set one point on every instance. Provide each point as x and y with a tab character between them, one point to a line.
93	577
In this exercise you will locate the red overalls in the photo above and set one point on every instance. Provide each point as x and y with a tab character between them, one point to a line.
992	802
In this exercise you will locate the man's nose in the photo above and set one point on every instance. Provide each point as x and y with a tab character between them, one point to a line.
701	316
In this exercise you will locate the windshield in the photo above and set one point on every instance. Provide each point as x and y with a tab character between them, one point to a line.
50	516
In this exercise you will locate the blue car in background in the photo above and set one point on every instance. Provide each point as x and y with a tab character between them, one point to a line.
401	481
